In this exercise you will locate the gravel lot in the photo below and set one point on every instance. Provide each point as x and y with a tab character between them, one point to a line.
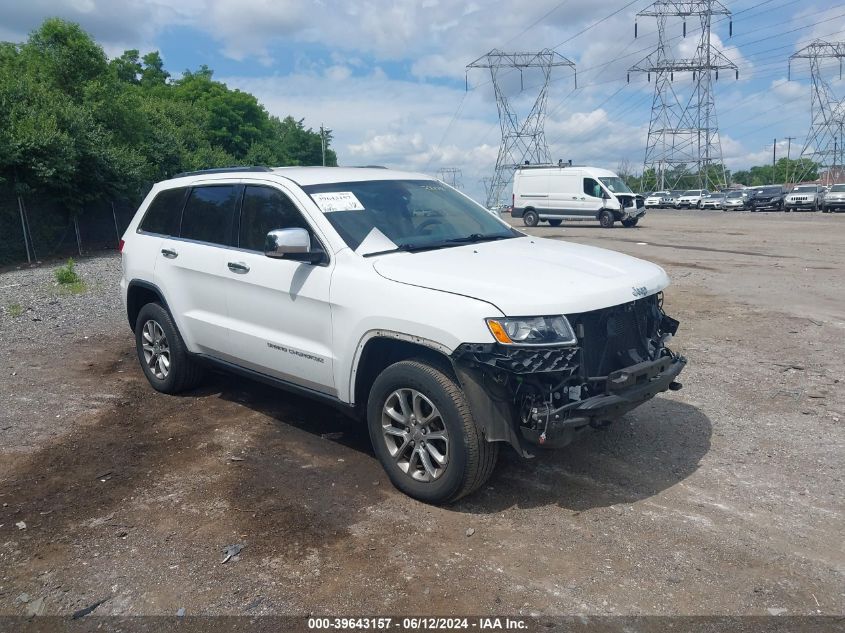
723	498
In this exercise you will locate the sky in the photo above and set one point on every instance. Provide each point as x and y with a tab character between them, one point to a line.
389	77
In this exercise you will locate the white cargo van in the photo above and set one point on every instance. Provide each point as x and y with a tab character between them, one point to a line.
557	193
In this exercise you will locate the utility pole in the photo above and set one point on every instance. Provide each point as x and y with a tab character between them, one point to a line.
323	142
683	130
827	112
774	159
789	140
523	138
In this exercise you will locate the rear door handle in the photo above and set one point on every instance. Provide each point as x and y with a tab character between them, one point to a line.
238	267
169	253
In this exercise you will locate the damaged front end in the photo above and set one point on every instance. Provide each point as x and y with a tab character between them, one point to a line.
545	395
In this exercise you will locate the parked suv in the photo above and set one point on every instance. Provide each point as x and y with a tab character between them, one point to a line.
834	199
767	198
691	199
371	290
659	199
804	197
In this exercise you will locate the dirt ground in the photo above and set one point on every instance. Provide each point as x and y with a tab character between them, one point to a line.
723	498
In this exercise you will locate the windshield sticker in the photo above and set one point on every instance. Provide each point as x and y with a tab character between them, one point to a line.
374	242
337	201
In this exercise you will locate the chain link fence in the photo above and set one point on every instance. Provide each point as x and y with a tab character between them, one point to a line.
37	228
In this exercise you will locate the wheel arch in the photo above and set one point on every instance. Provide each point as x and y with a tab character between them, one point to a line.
379	349
138	294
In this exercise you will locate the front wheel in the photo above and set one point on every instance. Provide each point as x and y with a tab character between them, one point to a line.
531	218
630	223
424	435
606	219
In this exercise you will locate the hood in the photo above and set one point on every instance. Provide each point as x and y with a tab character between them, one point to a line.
529	276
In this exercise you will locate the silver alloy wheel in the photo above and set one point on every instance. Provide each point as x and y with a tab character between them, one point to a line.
415	434
156	349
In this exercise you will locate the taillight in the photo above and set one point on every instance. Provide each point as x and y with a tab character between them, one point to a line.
120	246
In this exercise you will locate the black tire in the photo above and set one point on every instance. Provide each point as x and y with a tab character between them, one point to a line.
787	209
555	222
825	209
471	458
606	219
184	371
531	218
629	224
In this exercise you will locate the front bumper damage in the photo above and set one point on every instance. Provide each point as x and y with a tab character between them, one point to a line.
546	396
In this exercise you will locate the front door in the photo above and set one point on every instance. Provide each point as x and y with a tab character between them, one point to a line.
279	311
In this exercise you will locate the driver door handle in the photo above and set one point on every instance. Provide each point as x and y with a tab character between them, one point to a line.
169	253
238	267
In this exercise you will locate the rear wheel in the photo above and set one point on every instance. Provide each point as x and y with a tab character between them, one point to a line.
531	218
168	366
606	219
629	224
554	222
424	435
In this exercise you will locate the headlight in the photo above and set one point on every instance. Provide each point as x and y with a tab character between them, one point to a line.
548	330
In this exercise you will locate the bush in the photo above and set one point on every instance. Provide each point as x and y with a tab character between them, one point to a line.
67	274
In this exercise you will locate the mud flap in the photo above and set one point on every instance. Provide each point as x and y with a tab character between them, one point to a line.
494	416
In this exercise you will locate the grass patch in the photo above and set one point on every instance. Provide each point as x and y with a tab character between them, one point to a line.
66	275
14	310
75	288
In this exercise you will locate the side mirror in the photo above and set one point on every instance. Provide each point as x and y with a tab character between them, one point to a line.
605	195
292	244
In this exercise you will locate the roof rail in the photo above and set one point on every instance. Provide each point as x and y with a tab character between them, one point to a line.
370	167
219	170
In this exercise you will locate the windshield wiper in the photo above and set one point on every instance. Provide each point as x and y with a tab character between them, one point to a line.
416	248
477	237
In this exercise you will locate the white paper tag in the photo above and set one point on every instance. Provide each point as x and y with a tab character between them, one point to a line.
337	201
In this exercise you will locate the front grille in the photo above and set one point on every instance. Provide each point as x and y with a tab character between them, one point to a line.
523	360
618	336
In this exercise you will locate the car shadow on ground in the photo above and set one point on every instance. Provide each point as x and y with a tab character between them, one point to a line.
647	451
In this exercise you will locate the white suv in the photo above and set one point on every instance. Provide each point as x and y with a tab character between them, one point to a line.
400	301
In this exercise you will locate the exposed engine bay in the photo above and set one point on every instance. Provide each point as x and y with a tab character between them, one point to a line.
619	361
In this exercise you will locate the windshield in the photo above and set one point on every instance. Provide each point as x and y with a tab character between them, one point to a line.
838	188
805	189
769	191
615	184
693	192
659	193
386	215
735	194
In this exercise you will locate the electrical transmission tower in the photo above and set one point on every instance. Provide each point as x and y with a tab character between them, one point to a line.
451	176
683	131
523	139
827	113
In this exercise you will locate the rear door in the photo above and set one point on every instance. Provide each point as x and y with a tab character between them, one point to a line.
193	266
279	309
534	189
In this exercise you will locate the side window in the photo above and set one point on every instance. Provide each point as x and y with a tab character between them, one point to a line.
210	213
592	187
164	212
266	209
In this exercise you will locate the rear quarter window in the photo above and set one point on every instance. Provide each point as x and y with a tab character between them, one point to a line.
164	213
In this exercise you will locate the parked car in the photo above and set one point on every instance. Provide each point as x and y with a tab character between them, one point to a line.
557	193
660	200
735	200
691	199
767	198
713	201
804	198
834	200
370	290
